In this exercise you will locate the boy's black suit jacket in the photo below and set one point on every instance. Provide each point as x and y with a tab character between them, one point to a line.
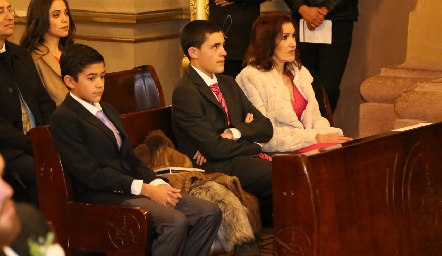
198	119
102	173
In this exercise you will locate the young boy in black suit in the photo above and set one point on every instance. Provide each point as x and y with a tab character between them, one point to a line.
218	140
92	144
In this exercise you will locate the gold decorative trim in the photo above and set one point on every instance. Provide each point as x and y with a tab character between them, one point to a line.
199	9
127	40
125	18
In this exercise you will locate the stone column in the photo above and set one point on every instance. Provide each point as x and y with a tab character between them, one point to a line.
408	94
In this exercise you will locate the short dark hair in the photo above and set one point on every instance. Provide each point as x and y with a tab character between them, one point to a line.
263	37
195	33
75	58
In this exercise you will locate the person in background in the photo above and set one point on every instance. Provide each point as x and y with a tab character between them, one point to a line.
236	18
24	104
280	87
93	145
49	29
328	60
21	223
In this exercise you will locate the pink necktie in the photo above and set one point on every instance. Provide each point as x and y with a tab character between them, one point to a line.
215	89
110	125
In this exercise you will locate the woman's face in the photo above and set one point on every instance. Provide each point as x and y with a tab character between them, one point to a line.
58	19
285	45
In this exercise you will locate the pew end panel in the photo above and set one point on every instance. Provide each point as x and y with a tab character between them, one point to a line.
380	195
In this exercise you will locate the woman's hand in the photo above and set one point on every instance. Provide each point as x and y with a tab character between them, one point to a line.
325	138
162	194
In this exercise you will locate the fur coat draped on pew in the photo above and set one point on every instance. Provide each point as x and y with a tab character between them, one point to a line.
240	209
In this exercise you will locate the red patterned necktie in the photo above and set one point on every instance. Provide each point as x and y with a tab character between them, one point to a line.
110	125
265	156
215	89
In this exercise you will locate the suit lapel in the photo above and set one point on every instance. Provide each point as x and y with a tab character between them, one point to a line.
203	88
115	119
88	117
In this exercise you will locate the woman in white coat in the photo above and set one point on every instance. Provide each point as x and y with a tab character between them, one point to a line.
281	88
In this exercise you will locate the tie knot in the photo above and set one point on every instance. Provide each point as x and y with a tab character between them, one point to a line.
100	115
214	88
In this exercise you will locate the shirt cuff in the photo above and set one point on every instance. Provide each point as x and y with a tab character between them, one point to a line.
135	188
235	132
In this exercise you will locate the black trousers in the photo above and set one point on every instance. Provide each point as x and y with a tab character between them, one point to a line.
21	175
329	60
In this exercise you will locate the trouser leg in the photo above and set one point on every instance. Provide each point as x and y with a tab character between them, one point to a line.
23	166
187	229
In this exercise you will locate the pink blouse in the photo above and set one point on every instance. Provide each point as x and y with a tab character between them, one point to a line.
299	103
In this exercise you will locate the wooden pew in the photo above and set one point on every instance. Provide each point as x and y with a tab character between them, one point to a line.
114	230
138	124
133	90
380	195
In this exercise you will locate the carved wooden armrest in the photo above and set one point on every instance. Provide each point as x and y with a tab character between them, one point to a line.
125	228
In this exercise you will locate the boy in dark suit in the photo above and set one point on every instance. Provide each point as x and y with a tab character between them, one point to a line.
220	132
92	144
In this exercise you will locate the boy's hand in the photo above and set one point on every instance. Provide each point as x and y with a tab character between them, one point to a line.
200	159
249	118
227	135
162	194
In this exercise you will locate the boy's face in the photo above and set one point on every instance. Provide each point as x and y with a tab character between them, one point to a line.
210	58
90	83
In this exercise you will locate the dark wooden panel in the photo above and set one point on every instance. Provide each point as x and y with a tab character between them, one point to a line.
380	195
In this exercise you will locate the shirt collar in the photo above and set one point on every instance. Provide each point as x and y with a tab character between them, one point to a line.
3	49
208	80
93	108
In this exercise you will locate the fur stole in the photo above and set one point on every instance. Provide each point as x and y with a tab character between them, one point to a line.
240	209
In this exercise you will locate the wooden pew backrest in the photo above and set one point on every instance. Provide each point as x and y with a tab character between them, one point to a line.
133	90
137	125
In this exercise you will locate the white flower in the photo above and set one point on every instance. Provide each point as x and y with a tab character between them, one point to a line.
45	247
54	250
